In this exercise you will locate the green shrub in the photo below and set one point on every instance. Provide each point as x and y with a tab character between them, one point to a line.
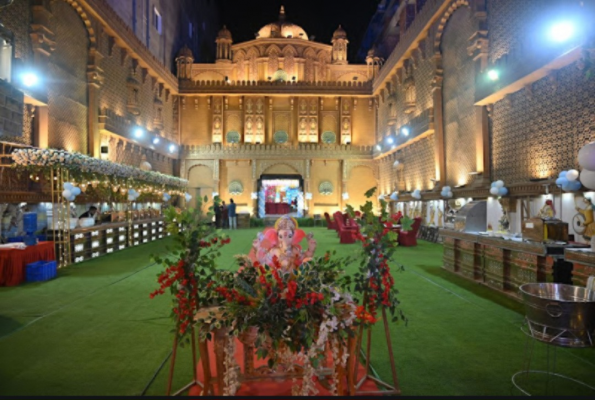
256	223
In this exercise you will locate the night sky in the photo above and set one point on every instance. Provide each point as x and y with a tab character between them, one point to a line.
317	17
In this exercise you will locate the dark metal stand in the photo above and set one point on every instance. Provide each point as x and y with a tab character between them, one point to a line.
393	389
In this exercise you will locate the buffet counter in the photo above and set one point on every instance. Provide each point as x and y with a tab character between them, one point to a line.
98	240
583	261
506	264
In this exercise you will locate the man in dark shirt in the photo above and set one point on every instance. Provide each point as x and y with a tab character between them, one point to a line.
231	212
224	219
90	214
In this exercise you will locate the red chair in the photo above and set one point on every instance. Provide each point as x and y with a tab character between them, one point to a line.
346	233
329	224
409	238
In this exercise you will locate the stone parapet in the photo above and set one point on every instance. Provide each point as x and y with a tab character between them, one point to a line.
271	151
275	88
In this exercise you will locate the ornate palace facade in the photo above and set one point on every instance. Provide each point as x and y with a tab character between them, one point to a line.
453	92
280	104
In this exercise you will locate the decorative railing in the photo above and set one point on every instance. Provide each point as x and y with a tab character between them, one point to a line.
312	150
351	87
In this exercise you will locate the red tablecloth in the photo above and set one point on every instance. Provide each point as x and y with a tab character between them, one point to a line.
277	208
13	262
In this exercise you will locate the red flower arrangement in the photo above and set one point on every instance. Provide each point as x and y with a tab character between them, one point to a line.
196	244
374	281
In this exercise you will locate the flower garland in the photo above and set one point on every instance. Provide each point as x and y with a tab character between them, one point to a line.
76	162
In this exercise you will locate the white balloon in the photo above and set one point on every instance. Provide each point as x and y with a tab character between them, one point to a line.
588	179
586	156
572	175
499	184
66	194
494	190
394	196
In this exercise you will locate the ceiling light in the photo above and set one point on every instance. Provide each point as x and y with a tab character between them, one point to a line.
156	140
389	140
138	133
172	148
405	131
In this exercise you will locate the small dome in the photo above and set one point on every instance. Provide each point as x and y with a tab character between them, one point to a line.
340	33
185	52
224	33
282	29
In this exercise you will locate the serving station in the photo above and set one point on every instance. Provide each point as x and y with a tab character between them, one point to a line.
504	261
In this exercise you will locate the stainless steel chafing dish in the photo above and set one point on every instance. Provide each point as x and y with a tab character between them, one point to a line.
472	217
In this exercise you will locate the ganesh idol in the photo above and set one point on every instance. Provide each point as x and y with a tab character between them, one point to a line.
283	242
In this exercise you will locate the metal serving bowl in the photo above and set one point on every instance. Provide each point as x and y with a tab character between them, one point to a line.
560	314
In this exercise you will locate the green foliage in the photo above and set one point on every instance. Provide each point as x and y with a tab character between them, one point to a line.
406	223
256	223
190	264
374	283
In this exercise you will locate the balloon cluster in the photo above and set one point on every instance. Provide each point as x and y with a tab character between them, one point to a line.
416	194
166	197
70	191
568	180
446	192
394	196
132	194
381	197
188	197
586	159
498	188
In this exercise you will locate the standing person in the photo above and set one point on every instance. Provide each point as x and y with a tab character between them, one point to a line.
233	218
217	216
223	215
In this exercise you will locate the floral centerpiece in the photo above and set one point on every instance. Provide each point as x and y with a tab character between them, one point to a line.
294	313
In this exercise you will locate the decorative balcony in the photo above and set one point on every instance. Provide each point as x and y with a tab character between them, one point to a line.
354	88
272	151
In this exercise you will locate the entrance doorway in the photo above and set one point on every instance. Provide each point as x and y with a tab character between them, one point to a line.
280	195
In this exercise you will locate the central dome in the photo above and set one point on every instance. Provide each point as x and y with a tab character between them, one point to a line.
282	29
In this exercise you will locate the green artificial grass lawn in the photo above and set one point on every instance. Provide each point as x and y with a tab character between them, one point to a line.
94	330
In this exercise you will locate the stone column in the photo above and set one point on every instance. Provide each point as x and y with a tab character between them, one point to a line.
307	184
94	83
254	186
439	156
343	183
